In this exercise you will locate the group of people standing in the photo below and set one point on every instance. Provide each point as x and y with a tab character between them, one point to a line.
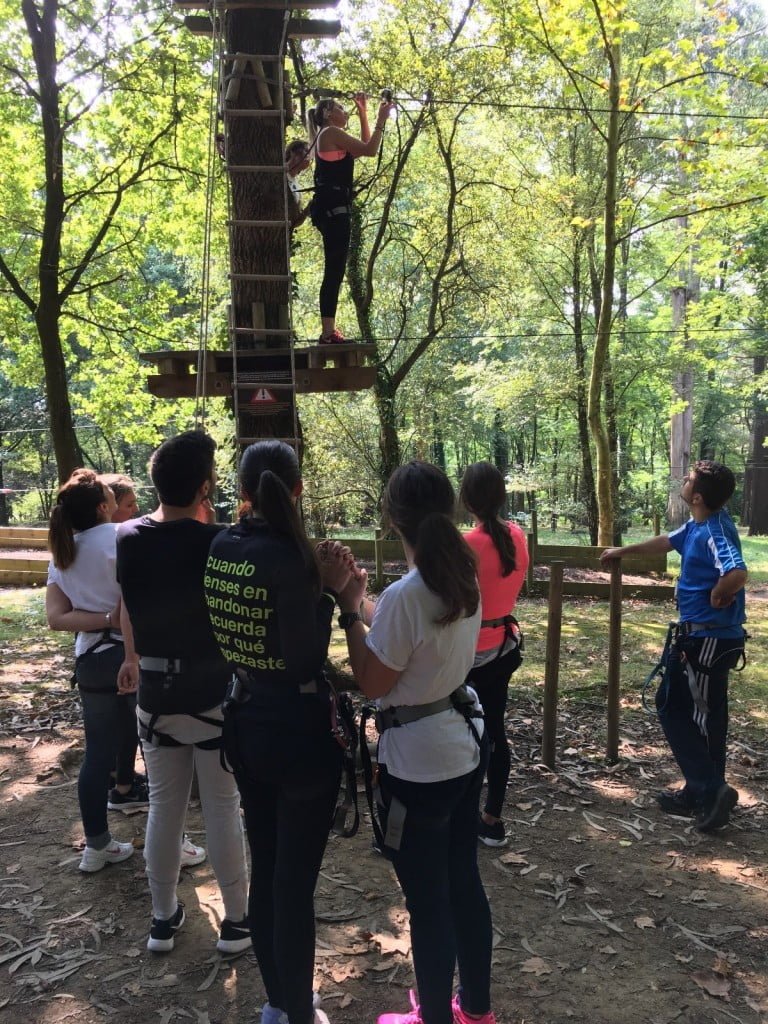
223	634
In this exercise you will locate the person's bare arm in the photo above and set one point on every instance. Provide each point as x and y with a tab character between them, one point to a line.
128	674
62	616
725	590
653	546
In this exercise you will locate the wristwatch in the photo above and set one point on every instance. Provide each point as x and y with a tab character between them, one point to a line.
348	619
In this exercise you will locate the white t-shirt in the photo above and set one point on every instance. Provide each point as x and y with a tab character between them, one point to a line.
434	660
90	582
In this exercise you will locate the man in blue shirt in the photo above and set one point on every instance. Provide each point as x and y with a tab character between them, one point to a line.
692	699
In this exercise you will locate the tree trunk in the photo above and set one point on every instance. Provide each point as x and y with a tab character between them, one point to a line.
389	443
756	481
587	477
681	424
41	28
603	335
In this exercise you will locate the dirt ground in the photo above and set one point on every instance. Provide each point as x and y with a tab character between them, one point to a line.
604	909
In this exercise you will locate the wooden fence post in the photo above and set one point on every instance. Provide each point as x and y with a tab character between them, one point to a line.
614	663
531	560
552	667
378	554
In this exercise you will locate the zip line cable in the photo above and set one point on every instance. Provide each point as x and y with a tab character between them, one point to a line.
554	107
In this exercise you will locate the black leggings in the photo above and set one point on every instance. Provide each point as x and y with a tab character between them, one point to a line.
491	682
336	232
288	780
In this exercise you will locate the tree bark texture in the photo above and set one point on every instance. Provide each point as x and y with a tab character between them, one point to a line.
41	28
603	335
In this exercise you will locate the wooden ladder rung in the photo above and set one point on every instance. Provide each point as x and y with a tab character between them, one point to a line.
253	440
257	112
260	330
260	277
231	57
257	168
256	223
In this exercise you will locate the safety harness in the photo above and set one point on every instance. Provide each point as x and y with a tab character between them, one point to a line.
394	718
106	643
170	669
676	634
512	632
343	730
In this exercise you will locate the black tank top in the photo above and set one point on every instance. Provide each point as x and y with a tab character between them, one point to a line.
333	180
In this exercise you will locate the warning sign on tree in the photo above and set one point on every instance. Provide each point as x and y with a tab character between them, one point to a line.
263	396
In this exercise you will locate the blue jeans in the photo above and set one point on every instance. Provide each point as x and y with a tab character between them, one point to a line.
697	729
109	722
436	866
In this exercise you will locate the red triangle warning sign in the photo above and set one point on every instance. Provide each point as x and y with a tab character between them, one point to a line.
262	395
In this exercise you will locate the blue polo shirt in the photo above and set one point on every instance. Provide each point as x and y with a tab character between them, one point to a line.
708	550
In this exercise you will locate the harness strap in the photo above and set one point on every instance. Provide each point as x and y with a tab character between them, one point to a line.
369	712
404	714
149	733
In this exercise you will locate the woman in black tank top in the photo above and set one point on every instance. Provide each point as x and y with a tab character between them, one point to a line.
335	153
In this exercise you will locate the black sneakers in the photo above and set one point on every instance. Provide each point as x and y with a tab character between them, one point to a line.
676	801
161	934
234	936
716	812
137	796
492	835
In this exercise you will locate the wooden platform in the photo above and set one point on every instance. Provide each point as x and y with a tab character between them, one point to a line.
319	368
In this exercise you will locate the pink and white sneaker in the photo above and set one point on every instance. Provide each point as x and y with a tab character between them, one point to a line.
412	1017
460	1017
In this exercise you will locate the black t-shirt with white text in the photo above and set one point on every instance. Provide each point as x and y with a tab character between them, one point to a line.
267	616
160	568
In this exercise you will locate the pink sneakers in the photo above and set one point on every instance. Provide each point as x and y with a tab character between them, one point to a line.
460	1017
412	1017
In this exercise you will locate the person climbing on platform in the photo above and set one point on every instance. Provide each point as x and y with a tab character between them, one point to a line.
703	647
297	159
335	154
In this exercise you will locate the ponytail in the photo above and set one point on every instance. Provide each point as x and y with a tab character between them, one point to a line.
316	117
447	566
419	503
269	474
76	509
61	537
484	494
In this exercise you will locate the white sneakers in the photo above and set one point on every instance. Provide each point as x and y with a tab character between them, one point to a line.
191	854
94	860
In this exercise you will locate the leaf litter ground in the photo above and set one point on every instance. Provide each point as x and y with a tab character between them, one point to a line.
604	909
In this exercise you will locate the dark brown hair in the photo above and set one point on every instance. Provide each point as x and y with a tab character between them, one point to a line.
714	482
269	474
483	493
76	509
419	502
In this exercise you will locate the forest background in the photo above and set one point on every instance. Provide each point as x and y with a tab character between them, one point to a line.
561	254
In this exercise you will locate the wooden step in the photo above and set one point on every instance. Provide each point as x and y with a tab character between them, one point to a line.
229	58
298	28
256	169
256	224
16	578
253	112
260	277
260	331
253	440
